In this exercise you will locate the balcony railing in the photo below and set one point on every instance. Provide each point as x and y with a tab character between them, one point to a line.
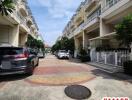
22	19
93	16
109	4
89	3
79	28
20	3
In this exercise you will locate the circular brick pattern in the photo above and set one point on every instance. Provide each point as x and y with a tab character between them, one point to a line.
2	84
55	76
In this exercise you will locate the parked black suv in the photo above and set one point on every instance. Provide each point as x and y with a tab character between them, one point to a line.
15	60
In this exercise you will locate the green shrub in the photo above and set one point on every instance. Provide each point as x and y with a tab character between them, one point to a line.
84	57
128	67
83	52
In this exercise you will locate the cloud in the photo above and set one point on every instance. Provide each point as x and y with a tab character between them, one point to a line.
52	16
60	8
53	35
45	3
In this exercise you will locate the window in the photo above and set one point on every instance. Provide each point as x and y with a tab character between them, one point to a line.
109	3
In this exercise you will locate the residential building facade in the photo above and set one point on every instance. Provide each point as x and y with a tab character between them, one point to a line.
93	24
15	27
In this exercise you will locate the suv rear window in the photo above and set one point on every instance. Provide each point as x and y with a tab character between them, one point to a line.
11	51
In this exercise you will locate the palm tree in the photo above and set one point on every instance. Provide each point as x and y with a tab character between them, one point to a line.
6	7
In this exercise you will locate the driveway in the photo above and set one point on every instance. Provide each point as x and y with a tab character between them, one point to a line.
52	76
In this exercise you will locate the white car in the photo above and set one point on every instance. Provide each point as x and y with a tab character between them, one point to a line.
63	54
41	54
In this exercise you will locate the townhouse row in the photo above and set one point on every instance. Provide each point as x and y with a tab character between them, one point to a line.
15	27
93	24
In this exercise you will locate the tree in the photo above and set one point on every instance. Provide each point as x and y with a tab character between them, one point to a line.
40	44
6	7
56	46
124	31
64	43
71	45
34	43
30	41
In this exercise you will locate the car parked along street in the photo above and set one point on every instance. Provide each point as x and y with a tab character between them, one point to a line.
41	54
63	54
17	60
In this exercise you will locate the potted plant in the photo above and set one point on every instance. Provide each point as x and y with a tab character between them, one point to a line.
83	56
128	67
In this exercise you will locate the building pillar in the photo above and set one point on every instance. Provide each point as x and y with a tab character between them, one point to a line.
105	57
104	28
22	39
76	47
97	56
14	36
85	41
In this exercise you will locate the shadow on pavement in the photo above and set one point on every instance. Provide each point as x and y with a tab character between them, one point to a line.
115	76
106	75
74	60
6	78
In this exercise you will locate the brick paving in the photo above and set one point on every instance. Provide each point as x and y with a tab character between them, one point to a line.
2	84
52	76
59	72
58	69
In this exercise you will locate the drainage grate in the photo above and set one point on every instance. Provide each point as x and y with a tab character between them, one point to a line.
77	92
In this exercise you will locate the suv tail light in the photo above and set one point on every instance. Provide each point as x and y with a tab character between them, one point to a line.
25	55
20	56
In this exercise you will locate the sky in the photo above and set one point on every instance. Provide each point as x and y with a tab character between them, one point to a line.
52	16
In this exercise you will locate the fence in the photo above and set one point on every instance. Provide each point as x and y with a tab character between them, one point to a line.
116	58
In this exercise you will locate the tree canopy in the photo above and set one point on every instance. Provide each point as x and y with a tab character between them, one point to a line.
124	31
6	7
64	44
34	43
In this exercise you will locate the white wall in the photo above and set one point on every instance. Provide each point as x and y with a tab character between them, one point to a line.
4	34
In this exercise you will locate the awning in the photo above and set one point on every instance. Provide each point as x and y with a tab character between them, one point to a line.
107	36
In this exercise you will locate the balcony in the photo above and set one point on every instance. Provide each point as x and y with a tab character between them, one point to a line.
33	29
70	35
114	7
89	4
23	22
92	19
29	21
79	29
16	17
22	5
109	4
23	9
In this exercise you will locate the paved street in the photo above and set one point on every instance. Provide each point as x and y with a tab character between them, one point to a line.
52	76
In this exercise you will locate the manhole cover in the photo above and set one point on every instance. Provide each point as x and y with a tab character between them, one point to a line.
77	92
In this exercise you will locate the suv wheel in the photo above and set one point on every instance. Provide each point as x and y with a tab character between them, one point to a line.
37	63
31	69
